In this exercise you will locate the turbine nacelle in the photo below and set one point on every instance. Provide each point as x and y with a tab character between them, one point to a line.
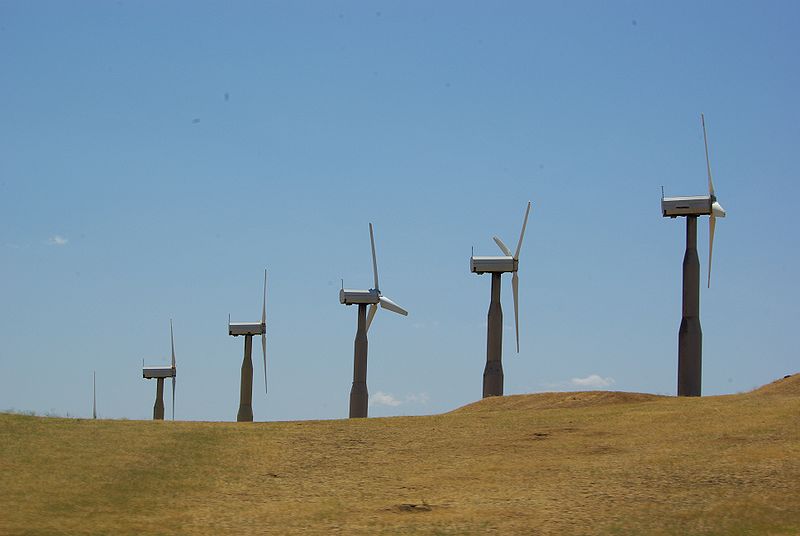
158	372
696	205
348	296
246	328
482	265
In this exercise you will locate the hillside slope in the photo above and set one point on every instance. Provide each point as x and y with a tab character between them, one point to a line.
553	463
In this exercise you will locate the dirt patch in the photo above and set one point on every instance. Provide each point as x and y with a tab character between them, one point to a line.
411	507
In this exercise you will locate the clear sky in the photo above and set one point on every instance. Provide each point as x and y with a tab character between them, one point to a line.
156	156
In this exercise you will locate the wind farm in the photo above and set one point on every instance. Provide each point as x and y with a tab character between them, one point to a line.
543	370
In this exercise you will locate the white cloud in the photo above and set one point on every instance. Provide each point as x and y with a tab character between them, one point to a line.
384	399
420	398
57	240
593	380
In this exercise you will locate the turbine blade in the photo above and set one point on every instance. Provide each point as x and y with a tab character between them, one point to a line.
386	303
712	222
264	303
502	246
371	314
173	398
172	340
374	257
708	162
515	289
522	233
264	352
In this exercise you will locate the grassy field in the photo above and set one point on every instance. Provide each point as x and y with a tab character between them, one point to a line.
554	463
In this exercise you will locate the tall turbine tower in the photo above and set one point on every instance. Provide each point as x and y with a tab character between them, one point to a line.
159	373
690	336
248	329
497	266
372	297
94	394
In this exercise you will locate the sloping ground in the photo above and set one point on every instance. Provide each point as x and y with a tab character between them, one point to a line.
788	385
558	463
554	401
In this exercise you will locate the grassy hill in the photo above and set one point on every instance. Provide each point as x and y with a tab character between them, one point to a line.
553	463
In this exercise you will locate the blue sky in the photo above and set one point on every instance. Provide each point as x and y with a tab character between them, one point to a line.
157	156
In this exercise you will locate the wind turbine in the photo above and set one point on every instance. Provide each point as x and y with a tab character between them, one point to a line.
159	373
497	266
690	336
248	329
372	297
94	394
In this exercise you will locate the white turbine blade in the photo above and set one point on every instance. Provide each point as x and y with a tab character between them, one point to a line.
264	352
515	289
502	246
522	233
264	332
374	257
172	340
371	314
708	162
264	303
386	303
712	222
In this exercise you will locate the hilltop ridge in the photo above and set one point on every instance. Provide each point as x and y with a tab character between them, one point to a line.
788	385
555	400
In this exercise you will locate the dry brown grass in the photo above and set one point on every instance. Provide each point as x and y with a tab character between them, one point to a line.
554	463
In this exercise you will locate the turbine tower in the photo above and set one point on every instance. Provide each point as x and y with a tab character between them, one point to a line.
248	329
94	394
372	297
497	266
690	336
159	373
